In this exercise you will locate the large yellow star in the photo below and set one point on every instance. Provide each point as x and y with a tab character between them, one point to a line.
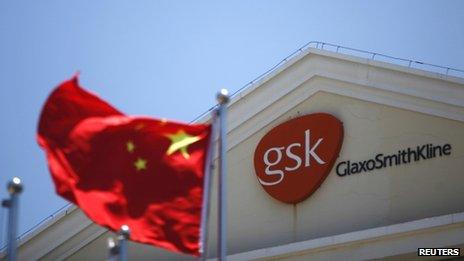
140	164
180	141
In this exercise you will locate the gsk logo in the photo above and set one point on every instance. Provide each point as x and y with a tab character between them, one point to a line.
293	159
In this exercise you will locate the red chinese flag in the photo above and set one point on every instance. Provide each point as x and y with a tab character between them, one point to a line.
142	172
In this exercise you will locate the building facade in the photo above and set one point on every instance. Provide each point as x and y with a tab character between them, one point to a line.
409	123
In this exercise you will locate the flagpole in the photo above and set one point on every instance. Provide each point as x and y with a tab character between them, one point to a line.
223	98
207	190
123	237
15	187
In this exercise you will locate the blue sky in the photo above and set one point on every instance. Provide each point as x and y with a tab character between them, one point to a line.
168	58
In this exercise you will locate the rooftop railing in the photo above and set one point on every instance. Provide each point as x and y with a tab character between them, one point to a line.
388	58
349	51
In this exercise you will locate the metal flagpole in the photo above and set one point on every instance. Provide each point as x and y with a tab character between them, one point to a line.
207	190
15	187
222	98
118	251
123	237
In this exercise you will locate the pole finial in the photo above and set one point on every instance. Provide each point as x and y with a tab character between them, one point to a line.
223	96
111	244
15	186
113	248
124	231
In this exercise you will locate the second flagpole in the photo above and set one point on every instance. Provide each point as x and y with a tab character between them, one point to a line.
222	98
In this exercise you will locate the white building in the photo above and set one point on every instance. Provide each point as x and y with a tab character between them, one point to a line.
385	213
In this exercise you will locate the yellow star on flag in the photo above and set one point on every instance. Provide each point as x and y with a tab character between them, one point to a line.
140	164
180	141
130	146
